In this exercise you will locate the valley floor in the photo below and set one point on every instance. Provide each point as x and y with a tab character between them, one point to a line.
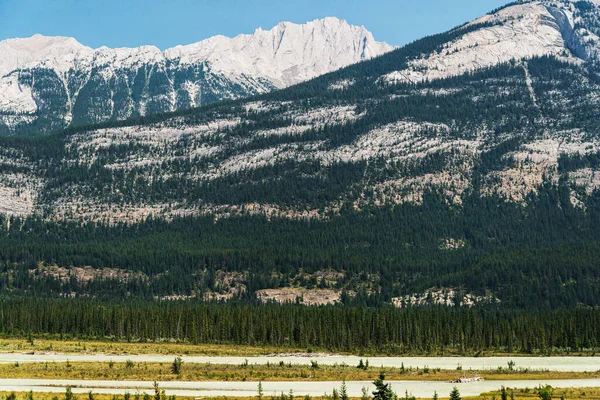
276	371
47	367
12	345
106	347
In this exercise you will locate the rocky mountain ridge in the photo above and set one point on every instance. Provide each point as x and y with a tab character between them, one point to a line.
47	83
522	30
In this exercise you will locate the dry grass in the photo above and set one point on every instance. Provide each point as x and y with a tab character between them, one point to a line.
51	344
271	372
106	347
569	394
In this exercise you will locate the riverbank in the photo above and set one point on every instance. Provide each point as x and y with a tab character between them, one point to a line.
10	345
276	371
45	344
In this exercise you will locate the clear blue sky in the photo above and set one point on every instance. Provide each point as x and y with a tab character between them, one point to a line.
165	23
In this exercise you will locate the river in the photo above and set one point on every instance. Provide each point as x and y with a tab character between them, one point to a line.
198	389
567	364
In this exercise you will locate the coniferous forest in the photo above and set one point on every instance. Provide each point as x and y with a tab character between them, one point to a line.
545	278
383	330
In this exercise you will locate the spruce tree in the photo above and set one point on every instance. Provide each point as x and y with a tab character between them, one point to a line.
383	391
455	394
344	391
176	366
260	390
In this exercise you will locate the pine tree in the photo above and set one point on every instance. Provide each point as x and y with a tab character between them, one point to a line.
344	391
455	394
383	391
176	366
335	395
69	394
260	390
156	391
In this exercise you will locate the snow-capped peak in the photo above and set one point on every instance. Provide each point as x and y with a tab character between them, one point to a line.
57	51
286	54
89	86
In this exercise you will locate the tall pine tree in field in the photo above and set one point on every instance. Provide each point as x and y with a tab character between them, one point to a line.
344	391
455	394
383	390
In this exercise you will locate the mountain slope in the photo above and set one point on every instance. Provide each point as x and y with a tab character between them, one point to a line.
48	83
483	181
397	138
517	32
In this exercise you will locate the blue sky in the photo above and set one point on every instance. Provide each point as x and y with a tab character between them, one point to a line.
166	23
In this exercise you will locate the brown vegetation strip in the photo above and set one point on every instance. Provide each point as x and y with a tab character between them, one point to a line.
272	372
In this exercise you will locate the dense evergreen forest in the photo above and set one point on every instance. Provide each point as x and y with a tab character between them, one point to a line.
543	256
334	328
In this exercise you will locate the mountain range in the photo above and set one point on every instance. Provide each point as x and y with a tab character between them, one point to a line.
466	162
49	83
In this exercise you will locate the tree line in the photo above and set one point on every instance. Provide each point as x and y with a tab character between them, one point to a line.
335	328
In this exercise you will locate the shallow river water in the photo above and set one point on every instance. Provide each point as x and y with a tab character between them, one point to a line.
198	389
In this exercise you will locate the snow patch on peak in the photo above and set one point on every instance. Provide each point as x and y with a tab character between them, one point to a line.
288	53
516	32
58	52
125	57
220	66
40	44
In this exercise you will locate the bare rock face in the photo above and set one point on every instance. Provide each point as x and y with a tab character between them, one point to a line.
47	83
